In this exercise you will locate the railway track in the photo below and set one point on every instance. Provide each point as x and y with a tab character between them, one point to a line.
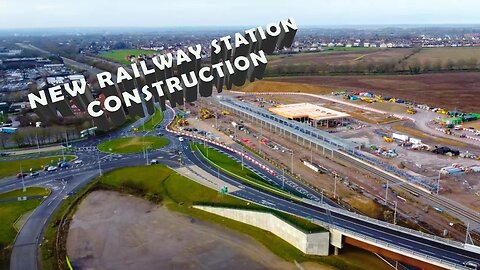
462	212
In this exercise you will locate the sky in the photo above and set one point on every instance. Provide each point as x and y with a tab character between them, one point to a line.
184	13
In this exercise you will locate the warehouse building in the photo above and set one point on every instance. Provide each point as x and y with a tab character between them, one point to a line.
311	113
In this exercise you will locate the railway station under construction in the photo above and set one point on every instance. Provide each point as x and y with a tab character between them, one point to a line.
308	112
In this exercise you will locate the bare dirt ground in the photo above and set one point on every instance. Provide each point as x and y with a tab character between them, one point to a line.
458	90
115	231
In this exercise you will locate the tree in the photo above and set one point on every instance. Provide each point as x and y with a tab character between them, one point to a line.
3	139
18	138
471	63
449	64
427	65
414	68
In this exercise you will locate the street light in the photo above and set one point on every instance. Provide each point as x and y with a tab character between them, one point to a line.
395	214
438	181
23	182
335	185
99	166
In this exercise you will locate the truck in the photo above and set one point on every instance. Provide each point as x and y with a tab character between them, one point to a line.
399	137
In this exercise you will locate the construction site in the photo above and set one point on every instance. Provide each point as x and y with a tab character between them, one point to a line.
396	135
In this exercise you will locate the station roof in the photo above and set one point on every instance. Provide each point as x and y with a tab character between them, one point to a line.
307	110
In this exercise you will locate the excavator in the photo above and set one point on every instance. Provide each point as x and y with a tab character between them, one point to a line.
411	110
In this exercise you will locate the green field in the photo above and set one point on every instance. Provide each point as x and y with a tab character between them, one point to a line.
173	187
10	168
30	191
156	119
9	213
120	55
132	144
234	168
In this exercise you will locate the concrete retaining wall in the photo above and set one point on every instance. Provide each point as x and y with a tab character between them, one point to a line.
308	243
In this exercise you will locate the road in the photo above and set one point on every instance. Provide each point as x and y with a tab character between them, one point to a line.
63	182
328	214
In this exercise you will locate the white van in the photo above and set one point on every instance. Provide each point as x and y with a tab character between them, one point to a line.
180	139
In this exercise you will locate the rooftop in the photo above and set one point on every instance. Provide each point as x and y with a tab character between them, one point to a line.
307	110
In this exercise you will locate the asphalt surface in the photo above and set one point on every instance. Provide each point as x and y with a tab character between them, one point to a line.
65	181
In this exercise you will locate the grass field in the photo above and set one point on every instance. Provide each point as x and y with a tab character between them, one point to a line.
267	85
444	54
30	191
233	168
338	56
9	168
9	213
132	144
120	55
156	118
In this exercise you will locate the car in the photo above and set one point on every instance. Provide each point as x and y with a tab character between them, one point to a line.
160	134
180	139
64	165
78	161
45	168
21	175
4	154
34	174
471	264
154	161
51	168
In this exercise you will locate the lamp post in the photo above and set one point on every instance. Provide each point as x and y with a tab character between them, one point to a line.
23	182
335	186
386	192
99	165
438	182
395	214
